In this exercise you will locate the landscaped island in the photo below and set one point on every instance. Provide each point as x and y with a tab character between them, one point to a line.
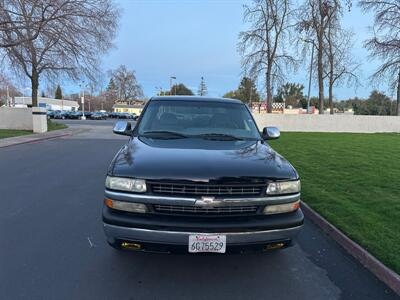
6	133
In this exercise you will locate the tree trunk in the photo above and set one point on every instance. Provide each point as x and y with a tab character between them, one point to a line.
269	91
35	87
320	82
331	97
331	82
320	66
331	66
398	96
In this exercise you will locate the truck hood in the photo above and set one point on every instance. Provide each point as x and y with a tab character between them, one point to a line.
200	160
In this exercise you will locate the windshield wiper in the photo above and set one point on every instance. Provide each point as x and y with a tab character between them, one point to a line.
222	136
163	134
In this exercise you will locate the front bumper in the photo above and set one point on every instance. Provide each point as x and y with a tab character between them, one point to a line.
121	233
169	231
169	234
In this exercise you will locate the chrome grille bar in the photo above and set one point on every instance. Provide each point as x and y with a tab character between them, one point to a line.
206	189
223	210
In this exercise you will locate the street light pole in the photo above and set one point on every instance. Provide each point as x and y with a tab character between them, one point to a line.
27	88
83	103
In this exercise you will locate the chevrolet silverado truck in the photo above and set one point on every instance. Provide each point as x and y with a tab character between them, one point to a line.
197	176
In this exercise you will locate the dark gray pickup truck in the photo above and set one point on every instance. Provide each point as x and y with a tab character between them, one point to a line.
197	176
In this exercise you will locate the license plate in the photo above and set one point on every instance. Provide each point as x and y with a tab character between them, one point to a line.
207	243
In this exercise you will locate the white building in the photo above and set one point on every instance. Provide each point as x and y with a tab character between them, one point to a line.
49	103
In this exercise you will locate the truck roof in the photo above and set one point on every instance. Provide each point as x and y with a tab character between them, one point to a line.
195	98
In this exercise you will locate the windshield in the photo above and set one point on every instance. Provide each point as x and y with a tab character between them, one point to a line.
198	119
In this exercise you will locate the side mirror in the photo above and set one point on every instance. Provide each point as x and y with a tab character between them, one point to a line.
123	128
271	133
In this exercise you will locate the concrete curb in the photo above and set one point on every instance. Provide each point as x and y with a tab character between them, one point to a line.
388	276
32	138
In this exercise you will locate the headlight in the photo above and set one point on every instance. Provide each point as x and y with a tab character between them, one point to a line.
283	187
126	206
281	208
126	184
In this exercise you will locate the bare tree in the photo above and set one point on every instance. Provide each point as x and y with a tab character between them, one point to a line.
67	39
7	89
12	22
264	46
319	25
314	24
385	43
340	65
126	85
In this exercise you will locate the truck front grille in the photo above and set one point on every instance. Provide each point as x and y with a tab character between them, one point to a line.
207	189
196	210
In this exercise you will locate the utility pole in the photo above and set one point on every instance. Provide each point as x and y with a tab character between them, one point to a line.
309	81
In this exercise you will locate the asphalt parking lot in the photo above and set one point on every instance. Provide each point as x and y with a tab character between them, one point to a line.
53	247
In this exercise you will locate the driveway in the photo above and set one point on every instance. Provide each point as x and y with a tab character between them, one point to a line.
53	247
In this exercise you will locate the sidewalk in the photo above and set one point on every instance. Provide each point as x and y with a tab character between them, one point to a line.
7	142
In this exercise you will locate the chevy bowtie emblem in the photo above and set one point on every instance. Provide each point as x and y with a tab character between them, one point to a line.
207	200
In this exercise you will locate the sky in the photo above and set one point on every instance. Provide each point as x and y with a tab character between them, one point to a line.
189	39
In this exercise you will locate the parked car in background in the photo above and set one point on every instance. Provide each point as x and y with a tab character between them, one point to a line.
61	115
127	116
88	114
117	115
105	114
113	115
75	115
98	116
132	116
197	176
121	115
50	114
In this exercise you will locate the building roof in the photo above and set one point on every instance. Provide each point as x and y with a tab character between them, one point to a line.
28	101
119	105
194	98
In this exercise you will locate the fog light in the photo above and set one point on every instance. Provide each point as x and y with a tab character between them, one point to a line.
281	208
132	246
126	206
274	246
